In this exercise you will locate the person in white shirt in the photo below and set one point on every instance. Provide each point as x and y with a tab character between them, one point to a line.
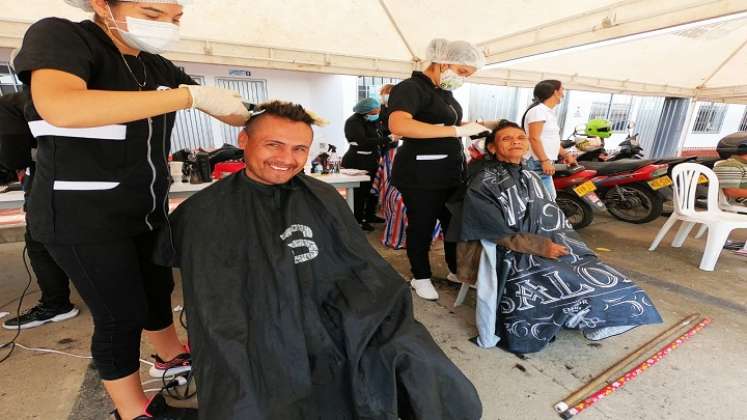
541	124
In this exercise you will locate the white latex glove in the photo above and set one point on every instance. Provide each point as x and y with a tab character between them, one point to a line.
470	129
217	101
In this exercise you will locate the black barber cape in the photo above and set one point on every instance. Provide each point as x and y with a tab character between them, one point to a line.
540	296
293	315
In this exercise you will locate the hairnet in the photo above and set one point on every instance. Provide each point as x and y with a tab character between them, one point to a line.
366	105
462	53
86	4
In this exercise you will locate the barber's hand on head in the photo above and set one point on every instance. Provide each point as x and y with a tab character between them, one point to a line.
556	251
217	101
548	167
470	129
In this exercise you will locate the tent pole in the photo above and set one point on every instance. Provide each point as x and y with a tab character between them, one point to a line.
722	65
415	58
690	113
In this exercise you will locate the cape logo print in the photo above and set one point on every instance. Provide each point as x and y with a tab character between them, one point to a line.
299	245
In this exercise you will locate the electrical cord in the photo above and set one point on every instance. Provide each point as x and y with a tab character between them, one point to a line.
77	356
14	300
183	318
171	387
11	345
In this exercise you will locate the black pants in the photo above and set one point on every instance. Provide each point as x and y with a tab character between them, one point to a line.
52	280
424	207
125	292
364	203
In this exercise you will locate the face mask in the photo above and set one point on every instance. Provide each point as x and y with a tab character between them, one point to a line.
372	118
451	80
148	35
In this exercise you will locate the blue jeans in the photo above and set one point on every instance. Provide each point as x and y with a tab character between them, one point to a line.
534	165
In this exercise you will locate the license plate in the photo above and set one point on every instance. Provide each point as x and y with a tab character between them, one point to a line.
660	183
585	188
594	200
703	179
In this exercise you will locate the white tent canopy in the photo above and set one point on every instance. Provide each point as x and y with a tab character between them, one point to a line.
389	37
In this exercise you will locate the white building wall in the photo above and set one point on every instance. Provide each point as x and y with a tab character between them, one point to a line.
732	119
330	96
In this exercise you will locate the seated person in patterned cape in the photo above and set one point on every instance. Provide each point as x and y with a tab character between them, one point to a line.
291	313
534	273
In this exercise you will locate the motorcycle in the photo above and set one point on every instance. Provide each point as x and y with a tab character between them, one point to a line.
576	194
629	188
631	148
633	191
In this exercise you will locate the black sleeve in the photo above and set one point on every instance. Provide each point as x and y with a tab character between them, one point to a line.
355	131
57	44
16	139
406	96
385	121
183	78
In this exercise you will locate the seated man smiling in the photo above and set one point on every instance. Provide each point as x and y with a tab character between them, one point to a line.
535	273
291	313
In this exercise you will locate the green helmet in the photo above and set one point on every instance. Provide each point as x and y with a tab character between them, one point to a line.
599	128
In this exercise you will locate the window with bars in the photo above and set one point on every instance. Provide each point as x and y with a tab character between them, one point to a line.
192	128
369	87
616	109
743	124
599	110
619	115
251	90
9	82
710	118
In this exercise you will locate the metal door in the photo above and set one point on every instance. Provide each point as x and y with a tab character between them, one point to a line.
192	128
253	91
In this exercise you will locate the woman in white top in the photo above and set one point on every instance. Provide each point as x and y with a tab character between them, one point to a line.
541	124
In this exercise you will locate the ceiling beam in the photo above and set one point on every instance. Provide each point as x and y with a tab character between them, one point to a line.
214	52
620	19
521	78
721	94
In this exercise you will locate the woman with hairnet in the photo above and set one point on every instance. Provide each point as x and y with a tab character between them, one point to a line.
363	131
104	104
429	166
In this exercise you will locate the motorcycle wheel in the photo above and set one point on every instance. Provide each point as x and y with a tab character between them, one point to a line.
634	203
578	212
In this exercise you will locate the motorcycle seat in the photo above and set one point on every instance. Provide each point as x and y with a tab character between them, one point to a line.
675	161
562	170
617	166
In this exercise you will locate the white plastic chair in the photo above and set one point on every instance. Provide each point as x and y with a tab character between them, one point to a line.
462	294
724	204
718	222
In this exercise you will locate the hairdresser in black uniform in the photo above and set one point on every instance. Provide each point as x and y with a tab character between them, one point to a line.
16	145
429	165
363	131
104	105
